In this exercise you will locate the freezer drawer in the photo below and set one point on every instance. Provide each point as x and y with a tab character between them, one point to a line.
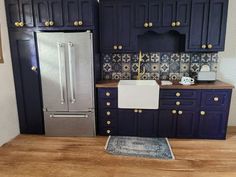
69	123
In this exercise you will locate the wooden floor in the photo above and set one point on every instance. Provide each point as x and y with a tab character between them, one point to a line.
39	156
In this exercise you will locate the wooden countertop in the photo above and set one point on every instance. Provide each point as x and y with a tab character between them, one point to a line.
203	85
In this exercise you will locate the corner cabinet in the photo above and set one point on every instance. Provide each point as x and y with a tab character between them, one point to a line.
208	25
182	114
27	81
116	20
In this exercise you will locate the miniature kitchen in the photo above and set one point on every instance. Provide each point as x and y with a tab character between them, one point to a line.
131	73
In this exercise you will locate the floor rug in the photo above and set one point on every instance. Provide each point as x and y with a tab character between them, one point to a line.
140	147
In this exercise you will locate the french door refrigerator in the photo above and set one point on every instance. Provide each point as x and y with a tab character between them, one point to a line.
66	67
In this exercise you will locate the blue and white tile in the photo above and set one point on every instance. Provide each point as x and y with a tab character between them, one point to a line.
155	67
116	75
116	67
155	76
116	58
134	58
107	67
107	76
214	57
165	57
145	57
145	76
126	67
195	67
164	76
185	58
134	67
174	67
126	76
106	58
155	57
174	76
205	58
175	57
164	67
184	67
195	58
126	58
147	67
214	67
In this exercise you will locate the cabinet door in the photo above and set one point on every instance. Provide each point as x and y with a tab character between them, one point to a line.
85	12
55	12
127	122
147	123
198	28
41	10
169	12
217	24
167	123
71	12
155	12
27	82
108	26
213	124
125	19
141	13
186	124
183	12
13	12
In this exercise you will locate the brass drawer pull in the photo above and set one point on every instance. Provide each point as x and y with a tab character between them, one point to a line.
204	46
203	113
108	104
178	103
178	23
108	94
120	47
115	47
108	122
21	24
135	110
180	112
140	111
209	46
150	24
80	23
108	131
146	25
173	24
108	113
178	94
216	99
76	23
174	112
47	23
51	23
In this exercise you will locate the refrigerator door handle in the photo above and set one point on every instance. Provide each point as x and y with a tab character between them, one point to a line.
59	50
71	56
69	116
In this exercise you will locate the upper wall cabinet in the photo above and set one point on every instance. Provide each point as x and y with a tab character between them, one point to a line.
116	26
78	13
168	13
48	13
19	13
208	25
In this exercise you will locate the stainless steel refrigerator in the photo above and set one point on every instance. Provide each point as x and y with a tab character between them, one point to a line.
66	66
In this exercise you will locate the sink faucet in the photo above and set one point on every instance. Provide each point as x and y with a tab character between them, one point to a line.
139	66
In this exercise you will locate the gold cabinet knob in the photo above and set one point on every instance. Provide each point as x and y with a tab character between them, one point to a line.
34	68
120	47
115	47
209	46
178	23
140	111
108	131
47	23
150	24
174	111
108	113
203	113
21	24
204	46
180	112
173	24
108	122
145	24
76	23
216	99
108	94
17	24
108	104
80	23
177	103
178	94
51	23
135	110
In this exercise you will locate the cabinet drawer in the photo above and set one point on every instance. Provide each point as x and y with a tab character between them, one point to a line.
107	93
168	93
108	113
215	99
178	104
108	103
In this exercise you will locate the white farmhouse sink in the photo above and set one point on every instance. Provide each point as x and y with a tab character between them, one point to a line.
138	94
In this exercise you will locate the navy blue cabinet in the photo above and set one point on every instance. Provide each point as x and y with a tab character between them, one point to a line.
48	13
208	25
127	124
167	123
78	13
19	13
116	26
27	83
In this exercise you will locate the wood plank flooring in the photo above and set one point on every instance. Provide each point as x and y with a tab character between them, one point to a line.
39	156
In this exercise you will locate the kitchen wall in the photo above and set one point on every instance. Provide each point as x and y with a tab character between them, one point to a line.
227	59
9	126
157	66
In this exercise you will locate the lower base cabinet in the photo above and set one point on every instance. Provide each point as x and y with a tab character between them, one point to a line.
207	118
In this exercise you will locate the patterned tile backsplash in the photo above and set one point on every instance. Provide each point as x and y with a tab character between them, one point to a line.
157	66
